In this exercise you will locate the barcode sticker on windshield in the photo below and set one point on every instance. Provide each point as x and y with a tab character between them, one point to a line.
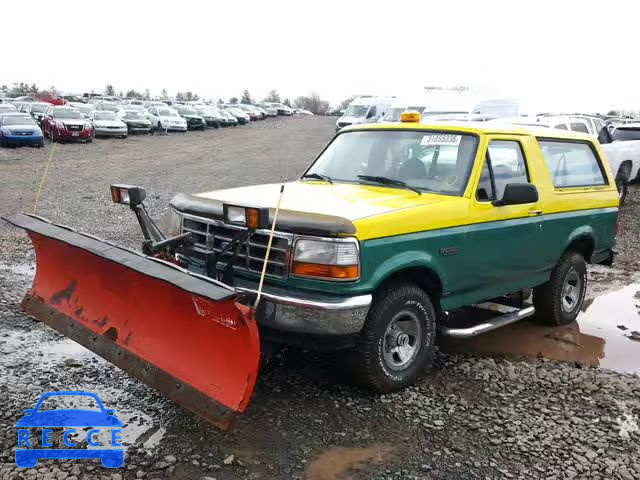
441	139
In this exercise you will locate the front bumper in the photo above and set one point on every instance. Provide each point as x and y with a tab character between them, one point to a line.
21	139
175	128
74	135
196	125
135	129
305	312
111	132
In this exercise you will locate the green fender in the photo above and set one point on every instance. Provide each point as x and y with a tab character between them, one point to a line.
583	231
405	260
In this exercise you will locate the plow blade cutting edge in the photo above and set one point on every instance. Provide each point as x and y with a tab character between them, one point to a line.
181	333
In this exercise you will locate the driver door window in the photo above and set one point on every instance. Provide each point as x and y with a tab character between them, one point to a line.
503	164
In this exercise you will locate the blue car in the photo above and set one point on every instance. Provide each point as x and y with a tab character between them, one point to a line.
96	419
18	129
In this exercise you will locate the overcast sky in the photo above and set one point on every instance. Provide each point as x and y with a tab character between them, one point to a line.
552	55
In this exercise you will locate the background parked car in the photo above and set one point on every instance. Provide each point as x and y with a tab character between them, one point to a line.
282	109
262	111
168	119
111	107
194	120
19	129
136	122
240	115
66	123
249	110
37	109
7	108
213	119
228	119
108	124
85	108
271	111
153	119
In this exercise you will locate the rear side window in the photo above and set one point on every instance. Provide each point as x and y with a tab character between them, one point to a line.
572	164
579	127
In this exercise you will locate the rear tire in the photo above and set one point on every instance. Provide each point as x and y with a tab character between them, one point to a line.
558	301
396	343
622	185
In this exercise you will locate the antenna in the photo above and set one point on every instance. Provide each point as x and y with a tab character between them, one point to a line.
266	255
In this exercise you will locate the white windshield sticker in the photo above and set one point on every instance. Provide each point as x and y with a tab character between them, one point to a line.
441	139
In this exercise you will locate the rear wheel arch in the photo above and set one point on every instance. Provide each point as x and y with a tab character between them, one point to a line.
584	244
625	169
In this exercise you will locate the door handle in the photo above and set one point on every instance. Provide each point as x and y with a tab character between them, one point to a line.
534	213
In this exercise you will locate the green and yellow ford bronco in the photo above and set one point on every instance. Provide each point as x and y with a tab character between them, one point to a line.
393	227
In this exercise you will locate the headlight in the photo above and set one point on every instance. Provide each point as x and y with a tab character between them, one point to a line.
251	217
59	124
337	259
6	131
236	215
175	223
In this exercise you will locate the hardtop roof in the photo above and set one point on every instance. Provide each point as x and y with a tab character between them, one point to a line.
478	128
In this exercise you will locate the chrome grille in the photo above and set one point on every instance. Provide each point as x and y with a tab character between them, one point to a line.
213	235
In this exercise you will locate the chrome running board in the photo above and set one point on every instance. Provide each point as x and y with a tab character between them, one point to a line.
509	315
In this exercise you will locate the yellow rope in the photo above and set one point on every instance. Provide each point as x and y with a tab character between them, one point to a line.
44	177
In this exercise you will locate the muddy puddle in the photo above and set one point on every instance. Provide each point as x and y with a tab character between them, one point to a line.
605	334
343	463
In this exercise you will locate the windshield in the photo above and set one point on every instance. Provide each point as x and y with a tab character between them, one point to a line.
356	111
437	162
39	107
111	108
167	113
17	120
393	114
134	115
83	108
67	113
626	134
187	111
105	116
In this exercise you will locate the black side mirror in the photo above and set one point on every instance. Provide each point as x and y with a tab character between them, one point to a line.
517	194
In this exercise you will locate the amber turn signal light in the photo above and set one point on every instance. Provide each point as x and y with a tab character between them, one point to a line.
344	272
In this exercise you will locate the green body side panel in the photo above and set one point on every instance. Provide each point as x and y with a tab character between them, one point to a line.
479	261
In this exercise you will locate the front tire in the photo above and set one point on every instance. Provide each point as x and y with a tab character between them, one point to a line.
397	341
558	301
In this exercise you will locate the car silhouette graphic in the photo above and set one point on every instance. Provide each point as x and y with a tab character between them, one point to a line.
69	417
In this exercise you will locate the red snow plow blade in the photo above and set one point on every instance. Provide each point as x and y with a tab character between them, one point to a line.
181	333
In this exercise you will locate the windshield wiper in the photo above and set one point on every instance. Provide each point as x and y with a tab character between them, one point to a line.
389	181
318	176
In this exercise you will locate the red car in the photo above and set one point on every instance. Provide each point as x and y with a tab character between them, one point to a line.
46	97
64	123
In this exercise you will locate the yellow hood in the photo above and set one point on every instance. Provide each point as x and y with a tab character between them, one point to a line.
344	200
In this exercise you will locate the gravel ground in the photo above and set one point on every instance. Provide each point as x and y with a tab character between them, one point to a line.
470	417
